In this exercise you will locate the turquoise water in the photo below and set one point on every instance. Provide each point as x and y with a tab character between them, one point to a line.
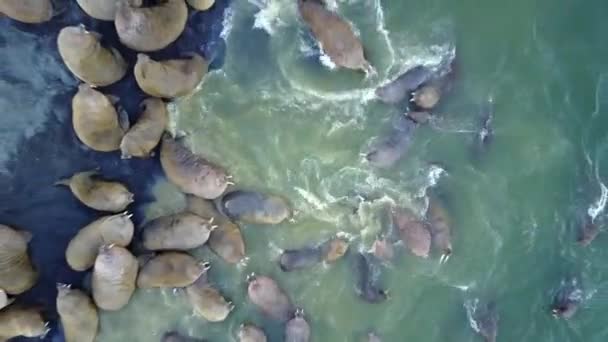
282	120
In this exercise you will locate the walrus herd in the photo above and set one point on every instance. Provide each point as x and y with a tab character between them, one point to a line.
123	258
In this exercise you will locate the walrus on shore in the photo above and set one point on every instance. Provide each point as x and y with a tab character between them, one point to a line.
567	299
104	9
226	240
201	5
266	294
486	318
27	11
399	89
250	333
174	336
297	329
169	78
4	299
366	285
17	274
254	207
171	269
150	28
96	122
335	36
413	231
78	315
18	321
145	135
183	231
440	226
97	193
85	56
191	173
391	148
83	248
114	276
208	302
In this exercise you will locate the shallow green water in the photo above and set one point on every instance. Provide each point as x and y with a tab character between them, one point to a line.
282	122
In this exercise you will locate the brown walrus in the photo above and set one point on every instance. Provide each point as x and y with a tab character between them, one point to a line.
4	299
181	231
87	59
19	321
78	315
201	5
266	294
145	135
169	78
83	248
17	274
114	276
171	269
98	194
208	302
440	226
150	28
255	207
103	9
192	173
414	233
27	11
96	122
251	333
335	36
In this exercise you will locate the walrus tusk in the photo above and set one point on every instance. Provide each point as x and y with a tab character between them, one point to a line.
251	277
230	183
211	220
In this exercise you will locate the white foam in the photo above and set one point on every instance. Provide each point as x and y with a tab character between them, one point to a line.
471	308
598	207
381	29
326	60
268	18
227	23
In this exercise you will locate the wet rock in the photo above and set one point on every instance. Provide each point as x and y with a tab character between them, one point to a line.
97	193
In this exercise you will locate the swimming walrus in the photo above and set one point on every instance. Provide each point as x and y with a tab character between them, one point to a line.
145	135
96	122
587	232
103	9
83	248
329	251
150	28
90	61
335	36
17	274
170	269
114	276
366	284
250	333
414	233
4	299
399	89
169	78
201	5
97	193
272	301
297	329
567	299
190	172
27	11
226	240
208	302
391	148
383	249
254	207
78	315
174	336
18	321
440	227
486	321
427	97
183	231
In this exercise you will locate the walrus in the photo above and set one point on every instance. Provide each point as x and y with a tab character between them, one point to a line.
78	315
97	193
170	269
226	240
27	11
333	249
192	173
150	28
440	227
414	233
201	5
145	135
297	329
272	301
251	333
4	299
90	61
182	231
254	207
18	321
420	117
399	89
485	135
391	149
588	231
17	274
208	302
114	276
305	257
427	97
174	336
83	248
169	78
366	285
96	122
567	299
335	36
486	318
383	249
103	9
